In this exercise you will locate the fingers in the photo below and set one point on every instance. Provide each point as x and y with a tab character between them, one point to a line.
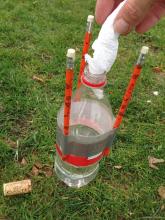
132	14
138	14
156	13
103	9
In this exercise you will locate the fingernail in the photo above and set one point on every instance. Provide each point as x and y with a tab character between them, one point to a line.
121	26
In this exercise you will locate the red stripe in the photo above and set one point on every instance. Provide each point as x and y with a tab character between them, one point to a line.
81	161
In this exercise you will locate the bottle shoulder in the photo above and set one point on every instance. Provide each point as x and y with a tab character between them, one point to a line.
97	94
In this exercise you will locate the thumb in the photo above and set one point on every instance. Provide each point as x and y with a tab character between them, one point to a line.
132	13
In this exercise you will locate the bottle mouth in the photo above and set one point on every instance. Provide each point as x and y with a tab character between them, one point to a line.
91	84
93	80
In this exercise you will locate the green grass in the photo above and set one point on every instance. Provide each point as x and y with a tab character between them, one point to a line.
34	37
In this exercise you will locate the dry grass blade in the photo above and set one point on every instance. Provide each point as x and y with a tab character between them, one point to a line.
10	143
4	218
38	165
38	79
162	208
1	108
161	192
118	167
153	161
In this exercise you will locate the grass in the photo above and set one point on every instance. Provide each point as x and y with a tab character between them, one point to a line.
34	38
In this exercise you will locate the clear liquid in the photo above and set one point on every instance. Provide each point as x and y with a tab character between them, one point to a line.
83	130
72	175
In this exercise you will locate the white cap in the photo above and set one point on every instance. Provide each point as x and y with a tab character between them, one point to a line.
71	53
144	50
90	18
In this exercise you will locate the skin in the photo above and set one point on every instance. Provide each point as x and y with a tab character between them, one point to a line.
140	15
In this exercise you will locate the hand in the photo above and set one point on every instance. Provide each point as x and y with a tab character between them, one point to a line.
138	14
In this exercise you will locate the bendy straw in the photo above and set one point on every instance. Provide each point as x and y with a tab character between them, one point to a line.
68	88
86	45
131	86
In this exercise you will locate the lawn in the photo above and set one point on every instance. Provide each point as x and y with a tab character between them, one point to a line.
34	38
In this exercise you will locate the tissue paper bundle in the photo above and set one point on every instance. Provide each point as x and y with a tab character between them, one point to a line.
105	46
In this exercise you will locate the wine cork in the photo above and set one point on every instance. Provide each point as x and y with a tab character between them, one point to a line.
16	188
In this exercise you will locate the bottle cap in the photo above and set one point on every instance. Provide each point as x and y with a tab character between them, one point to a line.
144	50
90	18
71	53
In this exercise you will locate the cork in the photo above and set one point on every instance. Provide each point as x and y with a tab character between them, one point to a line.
16	188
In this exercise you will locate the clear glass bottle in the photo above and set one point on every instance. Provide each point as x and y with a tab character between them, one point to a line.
91	120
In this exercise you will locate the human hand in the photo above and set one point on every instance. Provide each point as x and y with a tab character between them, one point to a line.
138	14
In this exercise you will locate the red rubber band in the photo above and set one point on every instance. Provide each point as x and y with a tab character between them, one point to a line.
92	84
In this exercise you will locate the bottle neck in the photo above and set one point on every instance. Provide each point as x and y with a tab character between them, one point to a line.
93	80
